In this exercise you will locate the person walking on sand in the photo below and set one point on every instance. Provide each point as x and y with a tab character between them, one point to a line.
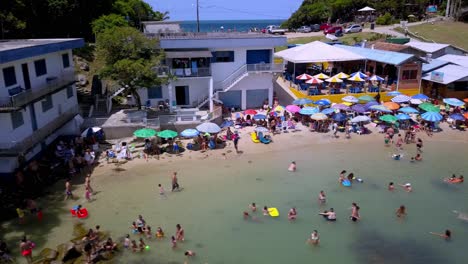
68	192
419	145
236	141
88	183
175	182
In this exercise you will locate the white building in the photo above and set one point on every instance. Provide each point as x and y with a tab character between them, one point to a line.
38	99
236	69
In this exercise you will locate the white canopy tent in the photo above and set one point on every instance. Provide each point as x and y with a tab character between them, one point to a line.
366	9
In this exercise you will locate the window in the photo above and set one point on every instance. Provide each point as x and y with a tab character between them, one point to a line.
69	91
47	103
40	66
65	60
155	92
222	56
17	119
9	76
410	75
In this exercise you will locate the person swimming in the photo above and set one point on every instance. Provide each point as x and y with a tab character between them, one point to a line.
127	241
418	157
407	187
329	215
253	207
397	156
447	235
391	187
190	253
265	211
292	214
292	167
454	179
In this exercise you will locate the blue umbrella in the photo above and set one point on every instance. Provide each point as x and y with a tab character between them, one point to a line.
401	98
380	108
302	101
227	123
339	117
209	127
393	93
408	110
358	108
376	78
431	116
420	97
457	116
322	102
328	111
261	129
368	105
362	75
453	102
402	116
308	110
360	118
190	133
259	117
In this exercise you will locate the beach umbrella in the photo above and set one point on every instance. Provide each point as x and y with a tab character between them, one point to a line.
388	118
341	107
259	117
347	103
376	78
420	96
302	101
380	108
393	93
431	116
465	115
366	98
341	75
391	105
322	102
339	117
293	108
360	74
457	116
334	80
328	111
209	127
358	108
319	116
428	107
144	133
350	99
261	129
90	131
227	123
304	76
402	116
465	100
453	102
279	108
190	132
321	76
237	115
314	80
308	110
416	101
250	112
368	105
360	118
401	98
167	134
408	110
356	78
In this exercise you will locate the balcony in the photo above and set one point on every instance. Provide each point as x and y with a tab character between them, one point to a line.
265	67
191	72
24	97
14	147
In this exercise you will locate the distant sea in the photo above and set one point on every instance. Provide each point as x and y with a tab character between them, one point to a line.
228	25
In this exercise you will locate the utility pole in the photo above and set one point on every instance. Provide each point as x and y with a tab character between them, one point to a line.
447	9
198	18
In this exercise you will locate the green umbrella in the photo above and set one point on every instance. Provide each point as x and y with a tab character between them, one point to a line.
428	107
366	98
167	134
389	118
144	133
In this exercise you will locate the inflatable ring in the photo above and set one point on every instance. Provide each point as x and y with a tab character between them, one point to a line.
273	212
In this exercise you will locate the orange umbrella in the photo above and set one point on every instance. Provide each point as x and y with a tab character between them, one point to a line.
466	115
466	100
391	105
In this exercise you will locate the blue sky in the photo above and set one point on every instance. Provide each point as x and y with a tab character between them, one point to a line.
227	9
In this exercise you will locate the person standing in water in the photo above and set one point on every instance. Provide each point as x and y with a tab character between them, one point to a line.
322	198
292	167
175	182
314	238
401	211
180	234
68	192
253	207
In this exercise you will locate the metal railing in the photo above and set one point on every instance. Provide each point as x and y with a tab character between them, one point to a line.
231	79
162	71
55	83
191	72
265	67
22	145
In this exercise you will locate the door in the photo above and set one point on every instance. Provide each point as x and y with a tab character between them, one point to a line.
231	99
182	95
255	98
258	56
27	81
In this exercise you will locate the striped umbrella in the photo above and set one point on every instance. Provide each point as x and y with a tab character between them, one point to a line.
428	107
431	116
360	74
334	80
401	98
350	99
341	75
360	118
321	76
356	78
416	101
308	110
369	104
328	111
237	115
453	102
314	80
391	105
376	78
388	118
304	76
457	116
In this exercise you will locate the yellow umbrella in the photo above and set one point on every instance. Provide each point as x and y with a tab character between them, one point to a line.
334	79
356	78
347	103
342	75
321	76
279	108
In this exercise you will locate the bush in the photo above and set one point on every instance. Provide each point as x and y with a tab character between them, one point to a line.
386	19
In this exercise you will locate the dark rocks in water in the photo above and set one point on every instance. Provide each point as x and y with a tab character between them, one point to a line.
79	231
71	253
48	254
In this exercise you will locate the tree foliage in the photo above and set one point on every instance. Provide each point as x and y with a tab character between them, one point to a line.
107	22
129	58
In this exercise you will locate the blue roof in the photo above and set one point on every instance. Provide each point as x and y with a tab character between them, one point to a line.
434	64
389	57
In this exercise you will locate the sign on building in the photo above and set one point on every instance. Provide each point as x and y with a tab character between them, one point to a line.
437	76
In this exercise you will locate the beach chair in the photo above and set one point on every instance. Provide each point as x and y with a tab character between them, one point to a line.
254	137
262	139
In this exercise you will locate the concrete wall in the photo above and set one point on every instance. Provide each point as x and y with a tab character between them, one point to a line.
8	135
60	104
281	89
254	81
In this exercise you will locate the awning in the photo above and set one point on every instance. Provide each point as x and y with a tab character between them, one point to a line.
188	54
315	52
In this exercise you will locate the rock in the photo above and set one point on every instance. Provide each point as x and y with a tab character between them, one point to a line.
79	231
48	254
84	66
71	253
82	79
80	260
61	249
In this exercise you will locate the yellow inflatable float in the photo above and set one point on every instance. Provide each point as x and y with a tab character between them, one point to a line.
273	212
254	137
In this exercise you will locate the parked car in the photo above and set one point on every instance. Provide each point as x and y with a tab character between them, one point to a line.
275	30
304	29
332	30
353	29
325	26
315	27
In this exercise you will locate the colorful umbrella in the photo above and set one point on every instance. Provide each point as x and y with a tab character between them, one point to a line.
356	78
408	110
144	133
401	98
279	108
360	74
341	107
402	116
376	78
339	117
350	99
360	118
358	108
368	105
465	100
259	117
420	96
389	118
428	107
393	93
237	115
322	102
314	80
465	115
250	112
319	116
308	110
227	123
366	98
431	116
293	108
391	105
190	132
453	102
167	134
90	131
380	108
302	101
328	111
261	129
209	127
304	76
341	75
321	76
347	103
457	116
416	101
334	80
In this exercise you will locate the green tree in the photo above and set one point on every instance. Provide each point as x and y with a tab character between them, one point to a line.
108	21
136	11
129	58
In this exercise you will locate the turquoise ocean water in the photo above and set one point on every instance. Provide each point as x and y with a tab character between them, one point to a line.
233	25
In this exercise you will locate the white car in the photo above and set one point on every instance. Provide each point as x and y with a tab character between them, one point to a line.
353	29
304	29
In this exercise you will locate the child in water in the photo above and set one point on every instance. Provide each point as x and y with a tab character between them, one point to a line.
292	167
253	207
127	241
159	233
265	211
174	242
391	187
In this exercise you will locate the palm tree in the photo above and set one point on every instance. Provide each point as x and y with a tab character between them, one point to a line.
158	16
